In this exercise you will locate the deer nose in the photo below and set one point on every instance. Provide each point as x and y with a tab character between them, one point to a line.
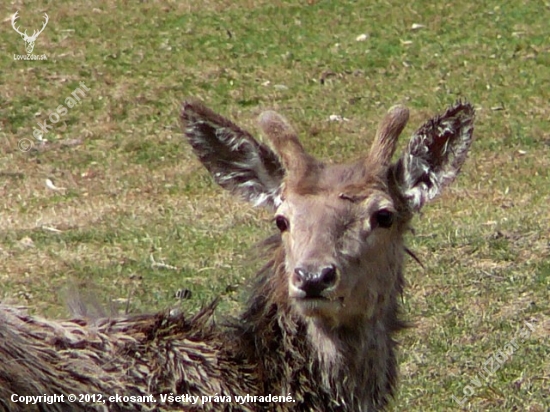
314	283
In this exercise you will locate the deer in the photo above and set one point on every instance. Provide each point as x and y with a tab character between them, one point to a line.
29	40
319	329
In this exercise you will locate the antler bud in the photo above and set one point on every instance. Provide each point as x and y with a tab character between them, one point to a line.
388	132
285	142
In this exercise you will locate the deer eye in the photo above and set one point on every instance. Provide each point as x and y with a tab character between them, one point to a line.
383	218
282	223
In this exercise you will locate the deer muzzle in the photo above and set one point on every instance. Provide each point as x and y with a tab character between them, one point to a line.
312	283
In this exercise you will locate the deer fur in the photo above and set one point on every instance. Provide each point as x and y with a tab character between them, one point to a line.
321	319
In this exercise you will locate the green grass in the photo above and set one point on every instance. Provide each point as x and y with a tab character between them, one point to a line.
133	192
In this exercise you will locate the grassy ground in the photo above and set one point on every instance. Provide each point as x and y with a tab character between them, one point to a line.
135	218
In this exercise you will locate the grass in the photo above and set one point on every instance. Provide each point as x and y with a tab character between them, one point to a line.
132	193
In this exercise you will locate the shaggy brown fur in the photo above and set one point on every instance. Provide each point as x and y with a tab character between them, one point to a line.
320	323
138	355
265	352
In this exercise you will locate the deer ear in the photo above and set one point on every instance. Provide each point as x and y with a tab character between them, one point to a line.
434	155
236	161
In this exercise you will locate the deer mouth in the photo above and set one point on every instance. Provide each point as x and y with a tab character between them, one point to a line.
319	299
315	303
299	295
318	307
318	303
306	297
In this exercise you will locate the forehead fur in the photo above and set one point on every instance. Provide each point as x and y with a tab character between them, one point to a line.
351	180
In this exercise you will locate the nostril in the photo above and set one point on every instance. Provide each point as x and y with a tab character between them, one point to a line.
328	276
300	276
314	283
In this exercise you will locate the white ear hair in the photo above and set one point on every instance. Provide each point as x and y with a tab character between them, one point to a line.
237	161
435	154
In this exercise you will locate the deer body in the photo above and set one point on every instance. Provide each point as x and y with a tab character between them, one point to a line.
321	319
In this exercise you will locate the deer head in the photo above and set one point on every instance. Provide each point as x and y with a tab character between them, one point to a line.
29	40
341	225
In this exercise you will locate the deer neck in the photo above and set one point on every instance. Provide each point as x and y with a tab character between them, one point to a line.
352	365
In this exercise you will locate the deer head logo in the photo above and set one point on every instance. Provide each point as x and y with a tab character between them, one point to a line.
29	40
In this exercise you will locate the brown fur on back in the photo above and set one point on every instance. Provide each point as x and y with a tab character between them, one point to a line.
135	355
